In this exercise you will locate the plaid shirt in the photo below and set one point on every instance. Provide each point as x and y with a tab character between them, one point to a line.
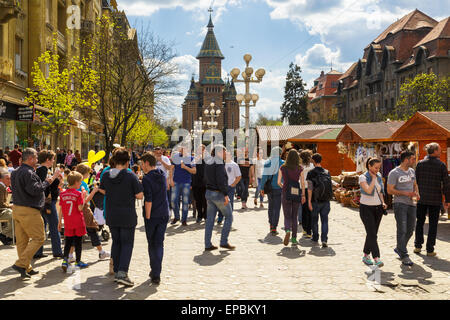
433	181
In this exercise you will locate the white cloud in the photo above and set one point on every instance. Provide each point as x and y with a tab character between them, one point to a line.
147	8
319	58
187	66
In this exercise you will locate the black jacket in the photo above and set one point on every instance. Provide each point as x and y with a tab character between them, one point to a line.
433	181
216	177
27	188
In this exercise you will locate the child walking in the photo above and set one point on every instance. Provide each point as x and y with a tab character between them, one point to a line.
71	201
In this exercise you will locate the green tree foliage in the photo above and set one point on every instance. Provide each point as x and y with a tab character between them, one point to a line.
61	90
426	92
294	107
262	120
147	131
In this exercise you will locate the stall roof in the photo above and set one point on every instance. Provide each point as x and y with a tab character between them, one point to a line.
318	135
425	126
288	132
369	132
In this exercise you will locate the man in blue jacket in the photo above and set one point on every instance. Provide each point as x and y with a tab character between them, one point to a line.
270	172
156	213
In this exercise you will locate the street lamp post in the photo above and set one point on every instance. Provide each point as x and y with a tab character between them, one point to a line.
245	99
213	114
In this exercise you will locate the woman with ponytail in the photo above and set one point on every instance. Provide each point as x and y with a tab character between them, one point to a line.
371	209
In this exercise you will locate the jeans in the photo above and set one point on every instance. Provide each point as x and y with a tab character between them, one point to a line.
433	219
405	215
122	247
371	218
258	191
52	220
245	182
231	191
322	209
290	210
155	230
216	202
183	190
274	207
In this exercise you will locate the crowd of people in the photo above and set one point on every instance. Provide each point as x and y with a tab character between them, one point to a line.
166	183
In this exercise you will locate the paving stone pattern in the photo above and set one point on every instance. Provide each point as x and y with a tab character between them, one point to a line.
261	267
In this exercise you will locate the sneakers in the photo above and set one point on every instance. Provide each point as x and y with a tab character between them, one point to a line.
211	248
122	278
71	259
309	236
104	255
261	206
255	202
379	263
33	272
175	220
65	265
407	262
184	223
273	231
431	254
81	265
324	245
417	250
219	220
304	233
286	237
367	261
294	241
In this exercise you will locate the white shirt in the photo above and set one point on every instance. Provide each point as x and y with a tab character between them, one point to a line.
370	200
159	165
306	169
233	171
259	168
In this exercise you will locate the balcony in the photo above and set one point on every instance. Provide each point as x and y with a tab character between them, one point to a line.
9	9
62	42
6	69
87	27
374	78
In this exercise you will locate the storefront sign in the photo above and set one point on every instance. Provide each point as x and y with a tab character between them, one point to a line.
25	114
8	110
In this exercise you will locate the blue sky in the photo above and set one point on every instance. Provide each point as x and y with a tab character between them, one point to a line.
311	33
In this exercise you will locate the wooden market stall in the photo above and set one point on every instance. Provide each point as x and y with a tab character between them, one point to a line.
324	142
426	127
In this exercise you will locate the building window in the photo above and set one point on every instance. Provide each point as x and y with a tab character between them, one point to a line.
192	120
392	103
48	12
19	55
394	84
367	92
334	84
232	121
387	85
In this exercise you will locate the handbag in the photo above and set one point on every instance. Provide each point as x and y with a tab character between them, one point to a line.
384	211
268	186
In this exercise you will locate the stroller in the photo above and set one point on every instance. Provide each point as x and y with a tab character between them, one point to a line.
97	209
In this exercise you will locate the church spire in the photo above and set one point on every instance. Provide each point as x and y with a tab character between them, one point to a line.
210	47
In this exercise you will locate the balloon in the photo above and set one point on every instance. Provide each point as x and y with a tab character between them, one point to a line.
94	157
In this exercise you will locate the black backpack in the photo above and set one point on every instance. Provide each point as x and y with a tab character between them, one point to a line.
323	190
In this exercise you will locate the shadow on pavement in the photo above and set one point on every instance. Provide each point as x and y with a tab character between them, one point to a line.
270	239
443	233
322	252
178	228
10	286
306	242
104	288
416	272
207	258
436	263
291	252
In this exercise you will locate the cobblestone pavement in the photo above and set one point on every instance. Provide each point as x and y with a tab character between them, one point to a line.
261	267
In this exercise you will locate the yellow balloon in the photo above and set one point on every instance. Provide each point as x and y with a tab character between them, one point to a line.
94	157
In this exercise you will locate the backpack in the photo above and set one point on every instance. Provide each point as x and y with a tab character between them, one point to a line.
323	190
268	185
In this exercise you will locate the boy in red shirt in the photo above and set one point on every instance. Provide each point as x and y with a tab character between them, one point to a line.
71	202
